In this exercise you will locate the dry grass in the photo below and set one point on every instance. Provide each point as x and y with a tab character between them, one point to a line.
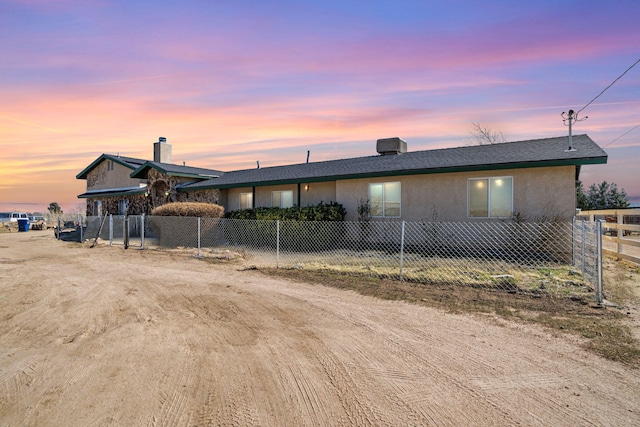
603	329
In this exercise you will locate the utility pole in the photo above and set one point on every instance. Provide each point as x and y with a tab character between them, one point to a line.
569	119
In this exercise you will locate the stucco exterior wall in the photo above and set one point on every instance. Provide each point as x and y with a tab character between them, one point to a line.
233	198
100	178
263	194
538	193
317	192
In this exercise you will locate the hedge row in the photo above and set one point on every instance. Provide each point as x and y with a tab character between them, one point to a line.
321	212
192	209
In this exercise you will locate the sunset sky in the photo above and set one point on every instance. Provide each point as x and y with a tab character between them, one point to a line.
229	83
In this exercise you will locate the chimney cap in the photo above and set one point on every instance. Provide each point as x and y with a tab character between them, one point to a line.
162	139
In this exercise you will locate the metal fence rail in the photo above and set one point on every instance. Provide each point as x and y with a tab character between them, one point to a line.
517	257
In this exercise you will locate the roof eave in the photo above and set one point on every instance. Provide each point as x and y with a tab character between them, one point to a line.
113	194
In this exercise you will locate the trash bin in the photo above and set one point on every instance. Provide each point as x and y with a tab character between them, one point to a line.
23	225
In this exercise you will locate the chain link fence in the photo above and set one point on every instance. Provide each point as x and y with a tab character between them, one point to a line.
587	252
561	258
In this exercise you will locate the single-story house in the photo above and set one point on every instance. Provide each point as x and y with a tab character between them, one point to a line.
533	180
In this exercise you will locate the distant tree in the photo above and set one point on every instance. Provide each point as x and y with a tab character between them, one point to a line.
582	202
485	135
602	196
54	208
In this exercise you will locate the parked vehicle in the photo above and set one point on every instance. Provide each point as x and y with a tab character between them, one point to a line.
15	216
38	222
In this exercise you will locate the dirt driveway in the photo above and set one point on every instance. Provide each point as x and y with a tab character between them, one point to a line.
105	336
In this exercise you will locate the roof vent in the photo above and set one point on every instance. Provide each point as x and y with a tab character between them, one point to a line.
389	146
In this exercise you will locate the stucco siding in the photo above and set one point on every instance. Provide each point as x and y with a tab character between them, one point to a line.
101	178
317	192
538	193
233	197
263	194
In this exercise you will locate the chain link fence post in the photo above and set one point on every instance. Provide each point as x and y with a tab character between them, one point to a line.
110	230
142	231
401	249
584	254
598	236
574	250
199	229
278	243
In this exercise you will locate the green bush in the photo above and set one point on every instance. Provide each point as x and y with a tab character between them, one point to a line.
321	212
202	210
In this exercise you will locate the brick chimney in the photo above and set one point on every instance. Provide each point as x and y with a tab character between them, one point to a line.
162	151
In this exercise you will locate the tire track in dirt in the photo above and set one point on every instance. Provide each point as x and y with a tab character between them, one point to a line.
394	346
170	340
174	400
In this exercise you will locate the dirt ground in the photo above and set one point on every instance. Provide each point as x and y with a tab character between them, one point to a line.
107	336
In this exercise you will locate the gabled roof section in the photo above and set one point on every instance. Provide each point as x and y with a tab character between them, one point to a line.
175	170
129	162
112	192
508	155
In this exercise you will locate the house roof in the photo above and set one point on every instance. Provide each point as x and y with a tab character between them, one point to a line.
508	155
174	170
129	162
112	192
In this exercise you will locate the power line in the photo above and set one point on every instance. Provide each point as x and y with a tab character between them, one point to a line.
624	134
612	83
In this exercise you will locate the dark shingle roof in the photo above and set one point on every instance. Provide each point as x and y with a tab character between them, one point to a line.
530	153
175	170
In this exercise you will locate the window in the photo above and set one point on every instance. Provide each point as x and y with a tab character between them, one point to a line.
490	197
97	208
282	199
246	200
109	165
384	199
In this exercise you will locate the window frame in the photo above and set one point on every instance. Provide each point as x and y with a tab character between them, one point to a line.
384	208
489	180
249	196
281	198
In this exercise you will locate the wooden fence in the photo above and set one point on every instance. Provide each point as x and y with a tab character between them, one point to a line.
621	232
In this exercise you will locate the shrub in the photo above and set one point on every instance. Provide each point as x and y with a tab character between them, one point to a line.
321	212
202	210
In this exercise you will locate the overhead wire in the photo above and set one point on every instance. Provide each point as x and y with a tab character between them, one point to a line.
612	83
624	134
603	91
